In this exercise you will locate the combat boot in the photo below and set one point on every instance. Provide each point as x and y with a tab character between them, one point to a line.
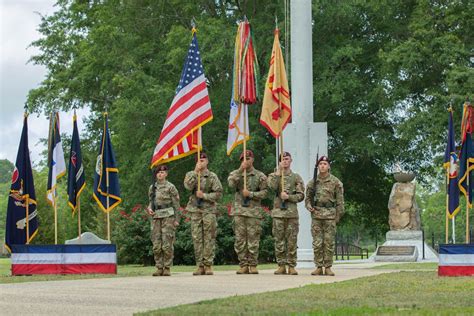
158	272
281	270
292	271
208	270
318	271
243	270
328	271
166	272
253	270
199	271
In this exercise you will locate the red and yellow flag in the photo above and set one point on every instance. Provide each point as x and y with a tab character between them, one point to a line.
276	107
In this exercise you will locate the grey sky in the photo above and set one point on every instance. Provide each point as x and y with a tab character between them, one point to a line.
18	28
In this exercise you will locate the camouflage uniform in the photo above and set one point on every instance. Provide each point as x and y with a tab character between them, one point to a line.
247	220
164	201
203	218
329	205
285	221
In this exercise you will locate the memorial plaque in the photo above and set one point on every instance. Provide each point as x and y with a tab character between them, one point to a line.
396	251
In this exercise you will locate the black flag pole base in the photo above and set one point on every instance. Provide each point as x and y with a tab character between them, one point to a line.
283	205
199	202
246	202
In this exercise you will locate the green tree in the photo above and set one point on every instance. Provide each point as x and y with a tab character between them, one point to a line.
6	169
384	71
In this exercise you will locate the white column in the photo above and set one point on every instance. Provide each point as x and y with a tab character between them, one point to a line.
302	137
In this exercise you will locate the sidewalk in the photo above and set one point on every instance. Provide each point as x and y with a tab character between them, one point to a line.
124	296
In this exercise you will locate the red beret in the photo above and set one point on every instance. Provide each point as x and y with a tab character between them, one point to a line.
324	158
202	155
160	168
285	154
248	153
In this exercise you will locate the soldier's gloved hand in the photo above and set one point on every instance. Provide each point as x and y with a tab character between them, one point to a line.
245	193
199	194
284	196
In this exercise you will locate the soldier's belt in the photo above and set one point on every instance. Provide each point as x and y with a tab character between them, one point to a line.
325	204
166	212
161	207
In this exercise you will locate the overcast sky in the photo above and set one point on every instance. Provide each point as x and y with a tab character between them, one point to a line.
19	24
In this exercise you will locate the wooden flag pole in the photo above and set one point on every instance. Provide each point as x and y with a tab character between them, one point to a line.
108	205
55	218
27	218
453	229
79	216
281	146
198	159
244	107
467	203
447	206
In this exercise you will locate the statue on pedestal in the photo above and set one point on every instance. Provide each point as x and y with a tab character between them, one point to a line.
404	213
404	242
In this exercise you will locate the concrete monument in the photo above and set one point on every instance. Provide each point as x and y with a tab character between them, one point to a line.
404	241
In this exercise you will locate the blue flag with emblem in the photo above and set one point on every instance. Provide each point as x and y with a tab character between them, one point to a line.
22	221
451	166
76	179
466	159
106	181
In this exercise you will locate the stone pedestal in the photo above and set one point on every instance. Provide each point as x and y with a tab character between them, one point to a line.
404	239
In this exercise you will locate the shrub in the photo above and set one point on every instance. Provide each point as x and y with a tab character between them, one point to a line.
133	230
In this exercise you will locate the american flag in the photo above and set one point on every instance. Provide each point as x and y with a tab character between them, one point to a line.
190	109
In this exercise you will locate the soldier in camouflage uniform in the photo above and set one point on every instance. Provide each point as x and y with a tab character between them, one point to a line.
202	208
163	207
327	208
285	213
247	212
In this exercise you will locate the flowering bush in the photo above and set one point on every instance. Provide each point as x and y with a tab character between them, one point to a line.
132	236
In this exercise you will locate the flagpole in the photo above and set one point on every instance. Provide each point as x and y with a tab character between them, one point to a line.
27	218
281	148
467	200
79	216
245	143
447	205
198	159
277	151
454	230
108	205
55	219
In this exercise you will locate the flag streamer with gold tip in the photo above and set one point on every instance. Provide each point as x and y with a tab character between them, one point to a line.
244	87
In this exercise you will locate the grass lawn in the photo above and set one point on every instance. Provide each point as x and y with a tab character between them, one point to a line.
410	293
410	266
122	271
